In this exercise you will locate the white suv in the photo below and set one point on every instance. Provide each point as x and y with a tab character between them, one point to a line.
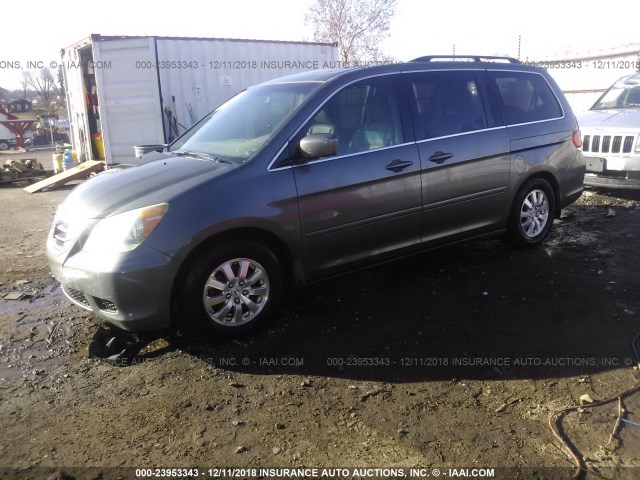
611	136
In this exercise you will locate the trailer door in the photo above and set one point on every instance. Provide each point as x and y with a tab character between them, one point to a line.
128	93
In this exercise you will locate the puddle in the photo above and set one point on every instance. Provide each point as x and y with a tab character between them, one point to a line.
564	239
82	353
39	332
43	337
40	303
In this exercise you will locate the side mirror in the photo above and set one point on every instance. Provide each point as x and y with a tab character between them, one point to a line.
317	145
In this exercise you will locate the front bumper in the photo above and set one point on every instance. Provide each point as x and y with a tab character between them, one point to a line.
613	172
611	181
131	290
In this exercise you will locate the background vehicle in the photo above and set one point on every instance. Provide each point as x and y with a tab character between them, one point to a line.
313	175
47	131
611	133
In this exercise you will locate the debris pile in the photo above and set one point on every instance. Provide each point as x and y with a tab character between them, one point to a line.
25	169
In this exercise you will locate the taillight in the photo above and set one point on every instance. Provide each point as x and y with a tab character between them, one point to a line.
577	138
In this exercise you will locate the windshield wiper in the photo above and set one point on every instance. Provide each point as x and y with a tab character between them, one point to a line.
201	155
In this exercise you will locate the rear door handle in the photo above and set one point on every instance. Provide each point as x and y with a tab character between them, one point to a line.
440	157
398	165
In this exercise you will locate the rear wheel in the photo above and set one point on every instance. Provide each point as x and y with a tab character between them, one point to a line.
532	213
233	289
4	145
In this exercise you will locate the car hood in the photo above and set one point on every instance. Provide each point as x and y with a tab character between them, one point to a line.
117	190
610	119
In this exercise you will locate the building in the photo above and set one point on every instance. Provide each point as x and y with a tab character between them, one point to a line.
18	106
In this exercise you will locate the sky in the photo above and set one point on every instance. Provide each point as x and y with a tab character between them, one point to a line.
420	27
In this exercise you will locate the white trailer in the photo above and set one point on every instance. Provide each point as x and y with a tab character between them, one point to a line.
148	90
7	137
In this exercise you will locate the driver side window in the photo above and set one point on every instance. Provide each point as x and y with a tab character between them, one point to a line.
361	117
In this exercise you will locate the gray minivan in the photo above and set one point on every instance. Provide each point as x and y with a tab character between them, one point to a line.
316	174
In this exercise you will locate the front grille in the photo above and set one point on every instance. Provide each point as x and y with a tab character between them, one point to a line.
617	142
106	305
628	145
77	296
614	144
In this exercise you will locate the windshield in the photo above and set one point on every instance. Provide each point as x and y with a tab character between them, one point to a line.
619	95
237	129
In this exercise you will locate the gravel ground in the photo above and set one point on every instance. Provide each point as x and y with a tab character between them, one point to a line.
459	370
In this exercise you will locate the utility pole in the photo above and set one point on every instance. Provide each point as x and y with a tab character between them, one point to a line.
519	43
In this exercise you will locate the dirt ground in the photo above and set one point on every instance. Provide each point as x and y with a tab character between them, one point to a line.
459	370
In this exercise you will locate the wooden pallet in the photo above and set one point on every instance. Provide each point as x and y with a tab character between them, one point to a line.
67	176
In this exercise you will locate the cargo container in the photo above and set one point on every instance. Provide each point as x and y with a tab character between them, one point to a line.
132	91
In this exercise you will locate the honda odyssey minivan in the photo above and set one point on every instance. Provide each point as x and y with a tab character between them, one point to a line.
316	174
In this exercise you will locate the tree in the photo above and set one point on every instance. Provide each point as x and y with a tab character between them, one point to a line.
45	86
61	88
358	26
24	83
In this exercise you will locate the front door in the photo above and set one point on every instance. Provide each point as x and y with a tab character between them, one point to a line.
361	205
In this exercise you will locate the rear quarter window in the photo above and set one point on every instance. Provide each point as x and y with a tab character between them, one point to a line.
525	97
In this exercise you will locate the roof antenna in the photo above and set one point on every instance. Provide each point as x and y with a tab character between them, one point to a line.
454	49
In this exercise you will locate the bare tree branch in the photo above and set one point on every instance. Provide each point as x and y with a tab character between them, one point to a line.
44	85
358	26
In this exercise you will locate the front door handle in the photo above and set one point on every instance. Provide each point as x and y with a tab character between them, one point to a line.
398	165
440	157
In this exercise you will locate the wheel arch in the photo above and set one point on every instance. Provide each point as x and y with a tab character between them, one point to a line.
551	179
258	235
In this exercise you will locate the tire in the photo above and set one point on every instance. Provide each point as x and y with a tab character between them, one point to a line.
532	213
4	145
233	289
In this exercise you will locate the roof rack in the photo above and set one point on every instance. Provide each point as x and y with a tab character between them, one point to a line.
475	58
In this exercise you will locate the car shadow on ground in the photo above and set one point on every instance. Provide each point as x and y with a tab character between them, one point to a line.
480	310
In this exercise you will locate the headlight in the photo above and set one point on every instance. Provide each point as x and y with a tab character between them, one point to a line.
637	149
125	231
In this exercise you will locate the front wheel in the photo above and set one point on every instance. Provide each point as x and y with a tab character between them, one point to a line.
532	213
233	289
4	145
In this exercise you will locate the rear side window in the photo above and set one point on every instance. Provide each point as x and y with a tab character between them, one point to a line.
525	97
445	103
